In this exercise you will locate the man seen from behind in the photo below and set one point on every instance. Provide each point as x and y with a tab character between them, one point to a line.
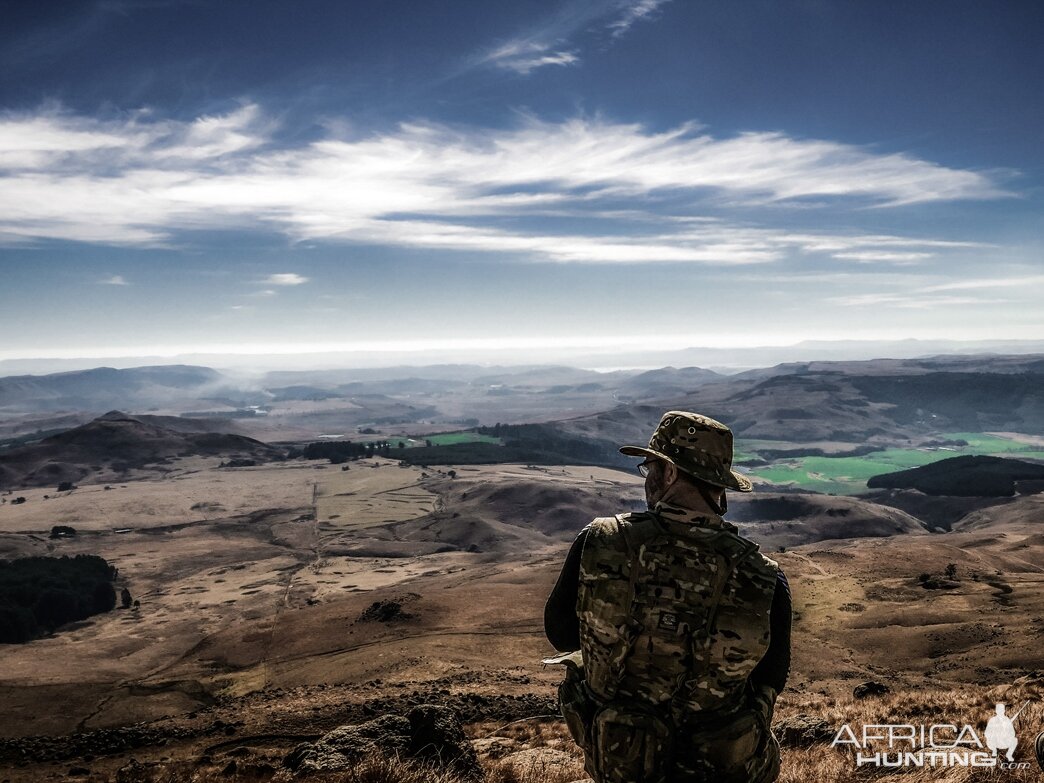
676	629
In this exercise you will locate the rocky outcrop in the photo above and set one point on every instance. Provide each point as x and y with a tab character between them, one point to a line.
340	749
428	733
870	688
383	612
802	731
101	742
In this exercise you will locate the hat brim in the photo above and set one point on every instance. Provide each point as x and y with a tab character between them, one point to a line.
739	482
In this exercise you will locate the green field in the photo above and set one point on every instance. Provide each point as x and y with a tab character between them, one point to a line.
438	439
980	443
848	475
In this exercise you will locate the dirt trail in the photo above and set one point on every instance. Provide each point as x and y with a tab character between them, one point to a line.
821	573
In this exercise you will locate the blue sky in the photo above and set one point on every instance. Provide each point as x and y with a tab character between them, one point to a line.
180	176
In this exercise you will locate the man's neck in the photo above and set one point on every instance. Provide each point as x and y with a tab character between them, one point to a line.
682	495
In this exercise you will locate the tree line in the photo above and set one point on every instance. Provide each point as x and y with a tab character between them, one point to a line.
342	451
529	443
39	594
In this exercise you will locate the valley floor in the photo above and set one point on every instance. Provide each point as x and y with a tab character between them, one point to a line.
279	601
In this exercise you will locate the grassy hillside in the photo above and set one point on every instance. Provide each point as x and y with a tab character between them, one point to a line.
849	475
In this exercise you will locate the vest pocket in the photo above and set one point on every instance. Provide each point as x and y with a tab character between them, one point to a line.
630	745
740	749
577	706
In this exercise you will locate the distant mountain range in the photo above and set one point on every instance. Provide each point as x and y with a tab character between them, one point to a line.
733	359
180	388
106	388
817	404
883	402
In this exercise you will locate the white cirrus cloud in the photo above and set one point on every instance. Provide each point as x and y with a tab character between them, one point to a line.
139	181
632	12
554	40
48	139
114	280
1025	282
915	301
884	256
526	56
285	278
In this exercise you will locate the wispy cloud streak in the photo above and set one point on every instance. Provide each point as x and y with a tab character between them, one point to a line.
526	56
634	12
551	43
140	181
921	293
285	278
910	301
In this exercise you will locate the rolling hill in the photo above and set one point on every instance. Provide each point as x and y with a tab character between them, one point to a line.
880	402
966	476
105	388
113	445
793	519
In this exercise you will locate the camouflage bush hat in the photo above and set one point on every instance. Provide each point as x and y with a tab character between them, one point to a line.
697	445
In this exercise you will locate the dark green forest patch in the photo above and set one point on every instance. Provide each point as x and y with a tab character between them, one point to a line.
537	444
966	476
39	594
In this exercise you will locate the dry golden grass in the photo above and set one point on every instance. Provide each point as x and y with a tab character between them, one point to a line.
533	732
181	497
377	769
250	605
373	769
535	770
365	496
542	752
825	764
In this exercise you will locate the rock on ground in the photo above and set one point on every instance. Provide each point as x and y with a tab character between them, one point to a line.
870	688
428	733
801	731
494	747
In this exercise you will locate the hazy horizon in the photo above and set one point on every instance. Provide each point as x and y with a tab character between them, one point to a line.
725	360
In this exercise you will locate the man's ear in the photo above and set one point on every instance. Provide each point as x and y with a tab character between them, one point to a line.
670	473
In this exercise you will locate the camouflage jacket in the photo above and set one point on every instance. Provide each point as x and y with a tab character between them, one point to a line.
644	634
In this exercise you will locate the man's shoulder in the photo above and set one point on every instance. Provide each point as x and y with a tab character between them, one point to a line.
620	525
770	563
625	518
613	533
607	544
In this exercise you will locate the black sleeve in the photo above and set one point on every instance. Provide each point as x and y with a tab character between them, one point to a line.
561	625
773	668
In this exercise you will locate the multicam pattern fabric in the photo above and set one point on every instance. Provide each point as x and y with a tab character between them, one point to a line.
674	615
698	445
